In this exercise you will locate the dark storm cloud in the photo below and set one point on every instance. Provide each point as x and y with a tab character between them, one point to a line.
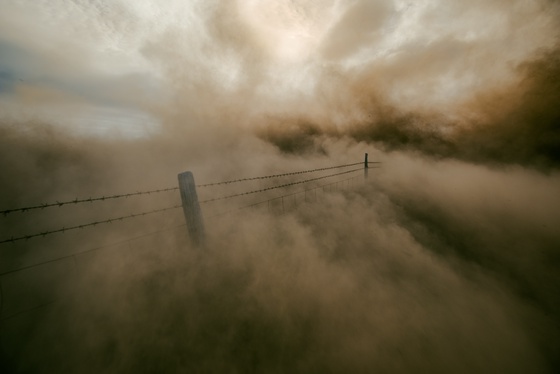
518	123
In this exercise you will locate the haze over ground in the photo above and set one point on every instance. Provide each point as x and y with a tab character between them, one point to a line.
447	260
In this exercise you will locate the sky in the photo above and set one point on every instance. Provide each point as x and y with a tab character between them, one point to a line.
106	68
445	260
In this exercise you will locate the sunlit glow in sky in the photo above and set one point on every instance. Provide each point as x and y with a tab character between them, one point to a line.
291	30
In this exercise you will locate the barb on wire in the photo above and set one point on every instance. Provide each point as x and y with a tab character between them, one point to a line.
111	197
88	200
276	198
278	175
276	187
64	229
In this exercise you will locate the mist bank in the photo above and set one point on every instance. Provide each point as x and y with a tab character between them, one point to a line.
431	266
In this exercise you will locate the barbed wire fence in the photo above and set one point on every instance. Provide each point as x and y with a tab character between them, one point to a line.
212	199
150	192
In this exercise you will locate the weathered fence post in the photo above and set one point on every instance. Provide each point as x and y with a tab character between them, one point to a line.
191	209
366	167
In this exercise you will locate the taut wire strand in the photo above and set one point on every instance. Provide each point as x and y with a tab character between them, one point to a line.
45	233
279	186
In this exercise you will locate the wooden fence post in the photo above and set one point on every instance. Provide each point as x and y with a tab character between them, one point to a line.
366	167
191	209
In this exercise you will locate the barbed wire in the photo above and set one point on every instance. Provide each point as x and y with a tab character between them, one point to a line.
119	196
64	229
110	220
73	255
276	198
88	200
90	250
2	319
278	175
276	187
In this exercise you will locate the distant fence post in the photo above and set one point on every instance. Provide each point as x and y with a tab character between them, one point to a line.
191	209
366	167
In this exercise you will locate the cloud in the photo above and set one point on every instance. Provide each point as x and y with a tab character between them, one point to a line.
432	266
359	27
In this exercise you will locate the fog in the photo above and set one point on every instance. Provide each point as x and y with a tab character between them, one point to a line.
444	259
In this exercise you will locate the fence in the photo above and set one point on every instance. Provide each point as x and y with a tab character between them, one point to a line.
345	175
